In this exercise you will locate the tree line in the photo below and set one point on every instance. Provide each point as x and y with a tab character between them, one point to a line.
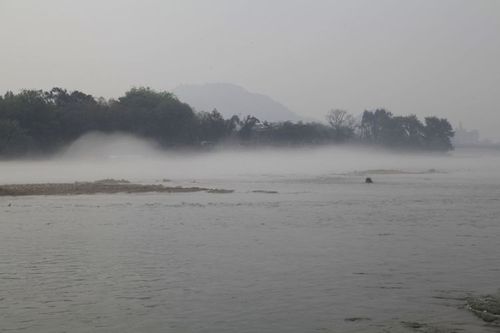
36	121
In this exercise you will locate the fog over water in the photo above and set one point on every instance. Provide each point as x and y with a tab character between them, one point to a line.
98	156
301	245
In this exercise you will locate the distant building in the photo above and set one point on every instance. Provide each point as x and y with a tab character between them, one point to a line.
464	137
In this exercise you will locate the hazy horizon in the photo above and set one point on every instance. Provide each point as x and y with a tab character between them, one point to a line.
413	57
97	156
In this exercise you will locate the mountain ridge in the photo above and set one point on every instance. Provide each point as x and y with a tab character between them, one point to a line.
231	99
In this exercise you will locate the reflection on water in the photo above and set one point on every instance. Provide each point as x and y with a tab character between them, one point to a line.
325	254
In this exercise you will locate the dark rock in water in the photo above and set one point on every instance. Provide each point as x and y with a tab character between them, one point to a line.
413	324
219	191
265	191
487	308
355	319
368	180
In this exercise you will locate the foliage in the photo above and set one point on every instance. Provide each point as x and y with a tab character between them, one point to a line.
381	127
289	133
35	121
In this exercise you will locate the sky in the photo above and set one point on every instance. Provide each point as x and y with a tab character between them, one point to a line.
423	57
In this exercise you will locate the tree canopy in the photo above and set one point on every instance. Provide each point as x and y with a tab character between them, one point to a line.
381	127
36	121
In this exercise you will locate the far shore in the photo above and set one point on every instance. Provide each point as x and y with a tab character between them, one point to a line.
109	186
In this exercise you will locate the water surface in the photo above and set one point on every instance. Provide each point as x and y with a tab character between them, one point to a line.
327	253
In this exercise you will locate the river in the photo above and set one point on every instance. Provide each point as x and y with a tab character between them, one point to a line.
325	253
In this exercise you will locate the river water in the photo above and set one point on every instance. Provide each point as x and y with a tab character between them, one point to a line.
327	253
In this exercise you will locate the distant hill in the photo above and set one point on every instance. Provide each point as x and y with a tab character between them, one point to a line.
230	99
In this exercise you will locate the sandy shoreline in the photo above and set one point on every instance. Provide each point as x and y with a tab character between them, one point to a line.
102	186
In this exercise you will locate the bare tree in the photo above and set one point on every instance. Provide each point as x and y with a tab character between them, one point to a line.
342	123
339	119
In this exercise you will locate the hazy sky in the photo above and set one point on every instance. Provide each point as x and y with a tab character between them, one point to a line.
428	57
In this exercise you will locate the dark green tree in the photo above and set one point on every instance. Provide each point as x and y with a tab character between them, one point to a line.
247	127
158	115
13	139
213	127
438	134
